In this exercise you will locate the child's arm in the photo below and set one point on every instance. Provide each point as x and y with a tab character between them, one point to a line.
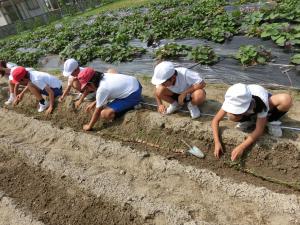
190	90
90	106
20	96
16	89
66	92
259	130
215	127
94	119
160	106
51	99
80	100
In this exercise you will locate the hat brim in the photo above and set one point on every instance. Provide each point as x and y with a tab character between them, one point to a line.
82	86
14	81
237	110
156	81
66	74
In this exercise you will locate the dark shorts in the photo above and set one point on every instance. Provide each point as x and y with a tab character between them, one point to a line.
175	97
57	92
121	106
188	97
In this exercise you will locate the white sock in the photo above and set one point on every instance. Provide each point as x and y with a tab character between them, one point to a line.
11	95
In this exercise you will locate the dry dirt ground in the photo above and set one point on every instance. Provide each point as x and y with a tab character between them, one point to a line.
134	171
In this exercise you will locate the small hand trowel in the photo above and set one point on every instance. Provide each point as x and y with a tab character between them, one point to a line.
194	150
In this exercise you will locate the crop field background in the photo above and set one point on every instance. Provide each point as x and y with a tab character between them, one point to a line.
107	34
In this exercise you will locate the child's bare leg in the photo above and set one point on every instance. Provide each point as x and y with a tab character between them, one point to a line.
12	95
279	105
198	97
11	87
164	94
76	85
108	114
283	102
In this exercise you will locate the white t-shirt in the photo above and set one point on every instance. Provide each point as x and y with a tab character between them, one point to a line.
41	80
71	78
115	86
263	94
185	78
10	65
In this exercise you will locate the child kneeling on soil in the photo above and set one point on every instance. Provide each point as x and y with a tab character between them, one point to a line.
178	86
116	94
250	105
71	70
6	69
38	83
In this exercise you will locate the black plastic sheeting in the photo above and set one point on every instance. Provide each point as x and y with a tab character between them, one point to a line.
227	70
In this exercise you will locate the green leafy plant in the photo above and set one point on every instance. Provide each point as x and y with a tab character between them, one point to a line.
204	55
116	53
22	58
107	35
288	10
295	59
70	49
283	34
171	51
251	23
250	55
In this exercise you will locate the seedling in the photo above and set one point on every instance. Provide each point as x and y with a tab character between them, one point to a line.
250	55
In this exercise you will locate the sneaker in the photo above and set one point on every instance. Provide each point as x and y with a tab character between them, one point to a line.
194	110
245	126
173	108
138	106
10	100
43	107
90	97
274	128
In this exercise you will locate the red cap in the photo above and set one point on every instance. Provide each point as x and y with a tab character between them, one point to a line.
85	76
18	74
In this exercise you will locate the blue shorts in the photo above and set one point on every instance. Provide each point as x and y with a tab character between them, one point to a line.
57	92
121	106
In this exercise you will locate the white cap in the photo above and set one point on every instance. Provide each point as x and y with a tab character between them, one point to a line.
163	72
237	99
69	66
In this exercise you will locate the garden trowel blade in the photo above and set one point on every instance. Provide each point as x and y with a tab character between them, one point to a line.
196	152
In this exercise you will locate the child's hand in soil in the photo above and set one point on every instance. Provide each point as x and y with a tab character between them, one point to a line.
90	107
218	150
236	153
49	110
18	99
16	102
162	109
86	127
77	104
61	99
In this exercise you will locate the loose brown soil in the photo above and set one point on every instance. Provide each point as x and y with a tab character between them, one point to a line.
56	200
273	163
